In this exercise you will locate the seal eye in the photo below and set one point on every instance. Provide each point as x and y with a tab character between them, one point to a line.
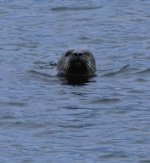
69	52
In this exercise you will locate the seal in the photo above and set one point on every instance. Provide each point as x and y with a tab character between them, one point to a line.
77	63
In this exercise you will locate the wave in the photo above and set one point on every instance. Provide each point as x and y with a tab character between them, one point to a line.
75	8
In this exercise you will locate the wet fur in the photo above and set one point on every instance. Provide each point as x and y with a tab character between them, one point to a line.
76	63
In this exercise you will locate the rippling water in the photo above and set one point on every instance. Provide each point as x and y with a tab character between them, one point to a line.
44	119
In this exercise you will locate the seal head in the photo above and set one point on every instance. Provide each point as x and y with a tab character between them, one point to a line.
76	62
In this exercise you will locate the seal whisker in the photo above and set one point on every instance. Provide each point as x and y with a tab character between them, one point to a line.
90	65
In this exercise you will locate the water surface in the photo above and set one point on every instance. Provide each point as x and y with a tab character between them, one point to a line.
43	118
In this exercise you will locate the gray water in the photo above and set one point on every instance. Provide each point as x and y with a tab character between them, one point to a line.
42	117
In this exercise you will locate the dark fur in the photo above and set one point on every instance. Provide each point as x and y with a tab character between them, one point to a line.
77	63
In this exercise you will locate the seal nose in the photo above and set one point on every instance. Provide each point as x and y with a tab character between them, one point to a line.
78	54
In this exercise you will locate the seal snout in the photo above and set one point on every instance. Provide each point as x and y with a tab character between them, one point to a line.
77	54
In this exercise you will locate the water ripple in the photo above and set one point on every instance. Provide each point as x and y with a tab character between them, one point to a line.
75	8
122	70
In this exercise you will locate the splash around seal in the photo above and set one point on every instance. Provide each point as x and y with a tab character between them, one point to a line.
77	63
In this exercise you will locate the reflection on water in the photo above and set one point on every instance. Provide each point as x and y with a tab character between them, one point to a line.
102	119
75	80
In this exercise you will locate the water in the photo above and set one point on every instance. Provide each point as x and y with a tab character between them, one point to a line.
44	119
